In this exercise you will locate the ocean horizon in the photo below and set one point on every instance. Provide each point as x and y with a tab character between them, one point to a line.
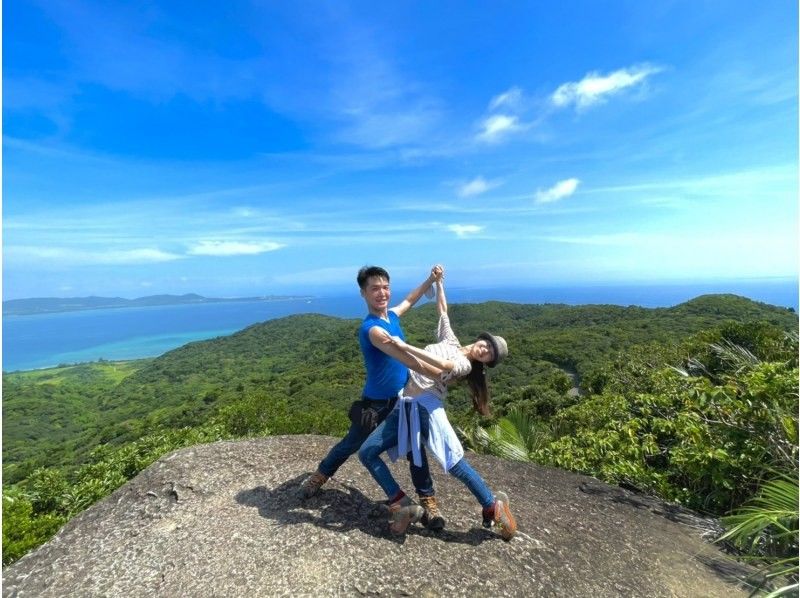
48	340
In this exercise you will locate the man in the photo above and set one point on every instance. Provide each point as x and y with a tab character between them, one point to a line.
387	371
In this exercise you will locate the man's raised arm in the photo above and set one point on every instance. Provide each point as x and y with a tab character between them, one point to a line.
414	296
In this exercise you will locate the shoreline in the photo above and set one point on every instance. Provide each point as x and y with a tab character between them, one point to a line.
134	305
64	366
145	334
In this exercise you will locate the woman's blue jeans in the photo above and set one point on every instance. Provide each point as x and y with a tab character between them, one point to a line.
384	437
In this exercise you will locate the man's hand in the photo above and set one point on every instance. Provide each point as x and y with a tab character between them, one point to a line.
435	277
426	288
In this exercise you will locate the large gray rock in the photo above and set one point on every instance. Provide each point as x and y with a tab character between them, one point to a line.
223	520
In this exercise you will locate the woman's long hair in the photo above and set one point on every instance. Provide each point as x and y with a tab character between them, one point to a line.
479	387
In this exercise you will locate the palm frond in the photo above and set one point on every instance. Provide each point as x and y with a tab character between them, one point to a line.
768	526
737	357
775	506
515	437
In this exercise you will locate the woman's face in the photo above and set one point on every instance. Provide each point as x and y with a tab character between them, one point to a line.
482	351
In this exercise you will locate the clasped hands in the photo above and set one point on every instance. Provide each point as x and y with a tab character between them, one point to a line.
437	272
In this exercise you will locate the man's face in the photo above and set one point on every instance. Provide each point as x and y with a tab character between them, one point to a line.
377	293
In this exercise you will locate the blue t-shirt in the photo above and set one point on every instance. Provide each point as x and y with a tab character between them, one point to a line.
385	375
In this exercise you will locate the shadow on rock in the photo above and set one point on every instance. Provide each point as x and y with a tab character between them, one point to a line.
735	573
342	510
641	501
709	528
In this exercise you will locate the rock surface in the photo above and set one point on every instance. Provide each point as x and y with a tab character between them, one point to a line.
223	520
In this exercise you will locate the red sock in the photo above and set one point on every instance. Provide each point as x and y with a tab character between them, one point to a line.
397	498
488	512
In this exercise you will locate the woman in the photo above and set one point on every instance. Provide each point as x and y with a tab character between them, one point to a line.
419	415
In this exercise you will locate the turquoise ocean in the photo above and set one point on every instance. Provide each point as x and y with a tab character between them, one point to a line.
46	340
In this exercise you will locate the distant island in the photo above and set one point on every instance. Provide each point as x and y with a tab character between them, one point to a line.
43	305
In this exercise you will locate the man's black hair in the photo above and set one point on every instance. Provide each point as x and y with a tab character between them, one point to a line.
369	271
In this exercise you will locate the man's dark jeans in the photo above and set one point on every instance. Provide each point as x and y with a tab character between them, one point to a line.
352	441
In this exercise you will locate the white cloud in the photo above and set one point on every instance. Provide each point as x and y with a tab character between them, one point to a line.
477	186
321	276
510	98
138	256
462	230
372	99
558	191
611	239
382	129
594	87
497	126
228	248
773	180
84	257
244	212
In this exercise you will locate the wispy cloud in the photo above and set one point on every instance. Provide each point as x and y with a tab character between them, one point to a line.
32	95
748	182
376	101
123	53
377	127
320	276
66	255
244	212
660	254
510	98
462	230
595	87
497	127
558	191
477	186
611	239
227	248
346	78
509	114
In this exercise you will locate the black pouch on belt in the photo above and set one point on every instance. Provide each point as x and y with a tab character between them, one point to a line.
364	416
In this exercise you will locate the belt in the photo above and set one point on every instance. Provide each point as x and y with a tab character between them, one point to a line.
378	402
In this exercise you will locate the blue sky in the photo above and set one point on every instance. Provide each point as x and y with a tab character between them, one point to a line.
250	148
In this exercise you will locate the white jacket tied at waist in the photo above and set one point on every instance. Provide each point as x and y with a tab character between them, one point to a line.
442	440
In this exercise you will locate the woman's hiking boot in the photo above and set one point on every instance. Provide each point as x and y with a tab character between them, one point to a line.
402	513
500	515
432	519
312	484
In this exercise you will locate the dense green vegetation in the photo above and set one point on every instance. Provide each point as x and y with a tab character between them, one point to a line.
692	403
45	411
710	423
700	423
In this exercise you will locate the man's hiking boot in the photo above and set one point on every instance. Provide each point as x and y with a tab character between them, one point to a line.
432	519
312	484
403	513
503	518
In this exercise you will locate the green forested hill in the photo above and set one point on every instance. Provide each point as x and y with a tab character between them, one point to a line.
301	372
45	411
695	403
